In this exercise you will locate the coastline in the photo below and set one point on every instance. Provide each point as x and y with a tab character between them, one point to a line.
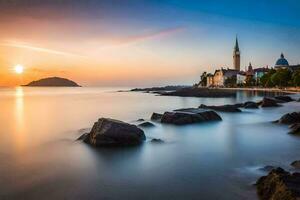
293	90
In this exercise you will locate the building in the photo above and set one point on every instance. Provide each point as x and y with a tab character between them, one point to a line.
210	80
259	72
241	78
236	56
221	75
282	63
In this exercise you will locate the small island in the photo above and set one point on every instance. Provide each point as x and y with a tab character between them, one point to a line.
53	82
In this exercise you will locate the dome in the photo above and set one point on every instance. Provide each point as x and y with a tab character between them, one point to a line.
282	61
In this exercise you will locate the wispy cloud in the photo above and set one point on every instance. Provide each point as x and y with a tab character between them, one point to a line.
158	34
144	37
35	48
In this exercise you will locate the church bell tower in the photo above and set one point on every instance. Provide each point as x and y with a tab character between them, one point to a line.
236	56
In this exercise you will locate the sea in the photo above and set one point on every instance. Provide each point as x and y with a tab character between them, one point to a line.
40	157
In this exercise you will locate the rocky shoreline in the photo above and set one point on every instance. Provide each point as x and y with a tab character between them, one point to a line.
191	91
278	184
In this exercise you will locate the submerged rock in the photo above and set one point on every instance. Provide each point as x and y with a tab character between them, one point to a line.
189	116
289	118
146	124
111	132
223	108
279	185
284	98
296	164
156	116
267	102
155	140
140	120
295	129
250	105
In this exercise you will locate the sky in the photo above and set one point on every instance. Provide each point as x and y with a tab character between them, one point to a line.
140	43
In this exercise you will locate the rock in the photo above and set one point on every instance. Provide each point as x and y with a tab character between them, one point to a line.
223	108
279	185
267	168
189	116
239	105
146	124
111	132
290	118
295	129
155	140
296	164
156	116
84	137
200	92
140	120
284	98
267	102
250	105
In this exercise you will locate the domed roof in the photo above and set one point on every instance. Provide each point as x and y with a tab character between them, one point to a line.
282	61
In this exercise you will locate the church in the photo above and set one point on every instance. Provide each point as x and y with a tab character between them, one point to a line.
235	76
218	79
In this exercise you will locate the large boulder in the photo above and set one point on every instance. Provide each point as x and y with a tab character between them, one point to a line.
290	118
279	185
189	116
111	132
284	98
250	105
223	108
268	102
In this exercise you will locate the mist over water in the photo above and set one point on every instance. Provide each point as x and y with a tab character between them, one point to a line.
41	159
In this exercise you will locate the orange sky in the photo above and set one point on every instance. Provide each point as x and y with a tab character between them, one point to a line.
136	43
49	48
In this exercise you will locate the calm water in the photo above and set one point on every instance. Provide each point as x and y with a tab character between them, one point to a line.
40	159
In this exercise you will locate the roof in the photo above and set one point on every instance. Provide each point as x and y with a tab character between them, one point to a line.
281	61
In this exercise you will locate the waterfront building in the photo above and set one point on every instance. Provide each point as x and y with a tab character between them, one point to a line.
241	78
221	75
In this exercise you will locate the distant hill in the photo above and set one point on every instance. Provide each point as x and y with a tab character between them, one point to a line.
53	82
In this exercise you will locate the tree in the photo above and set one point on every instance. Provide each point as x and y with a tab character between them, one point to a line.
203	81
250	81
265	80
281	78
296	78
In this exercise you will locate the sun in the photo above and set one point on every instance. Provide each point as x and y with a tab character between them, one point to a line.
19	69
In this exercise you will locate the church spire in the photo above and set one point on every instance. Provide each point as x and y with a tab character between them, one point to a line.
236	47
236	55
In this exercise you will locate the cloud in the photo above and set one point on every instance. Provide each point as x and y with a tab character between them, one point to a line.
159	34
146	36
39	49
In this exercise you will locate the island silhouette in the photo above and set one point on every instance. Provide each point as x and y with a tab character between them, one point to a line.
53	82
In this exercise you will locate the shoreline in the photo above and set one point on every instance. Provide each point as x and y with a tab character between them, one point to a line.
286	90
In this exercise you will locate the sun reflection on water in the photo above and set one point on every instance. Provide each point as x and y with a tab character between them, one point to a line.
19	136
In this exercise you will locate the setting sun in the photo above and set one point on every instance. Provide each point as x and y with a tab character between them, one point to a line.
19	69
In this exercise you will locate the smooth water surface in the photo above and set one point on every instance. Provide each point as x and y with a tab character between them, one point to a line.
41	159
